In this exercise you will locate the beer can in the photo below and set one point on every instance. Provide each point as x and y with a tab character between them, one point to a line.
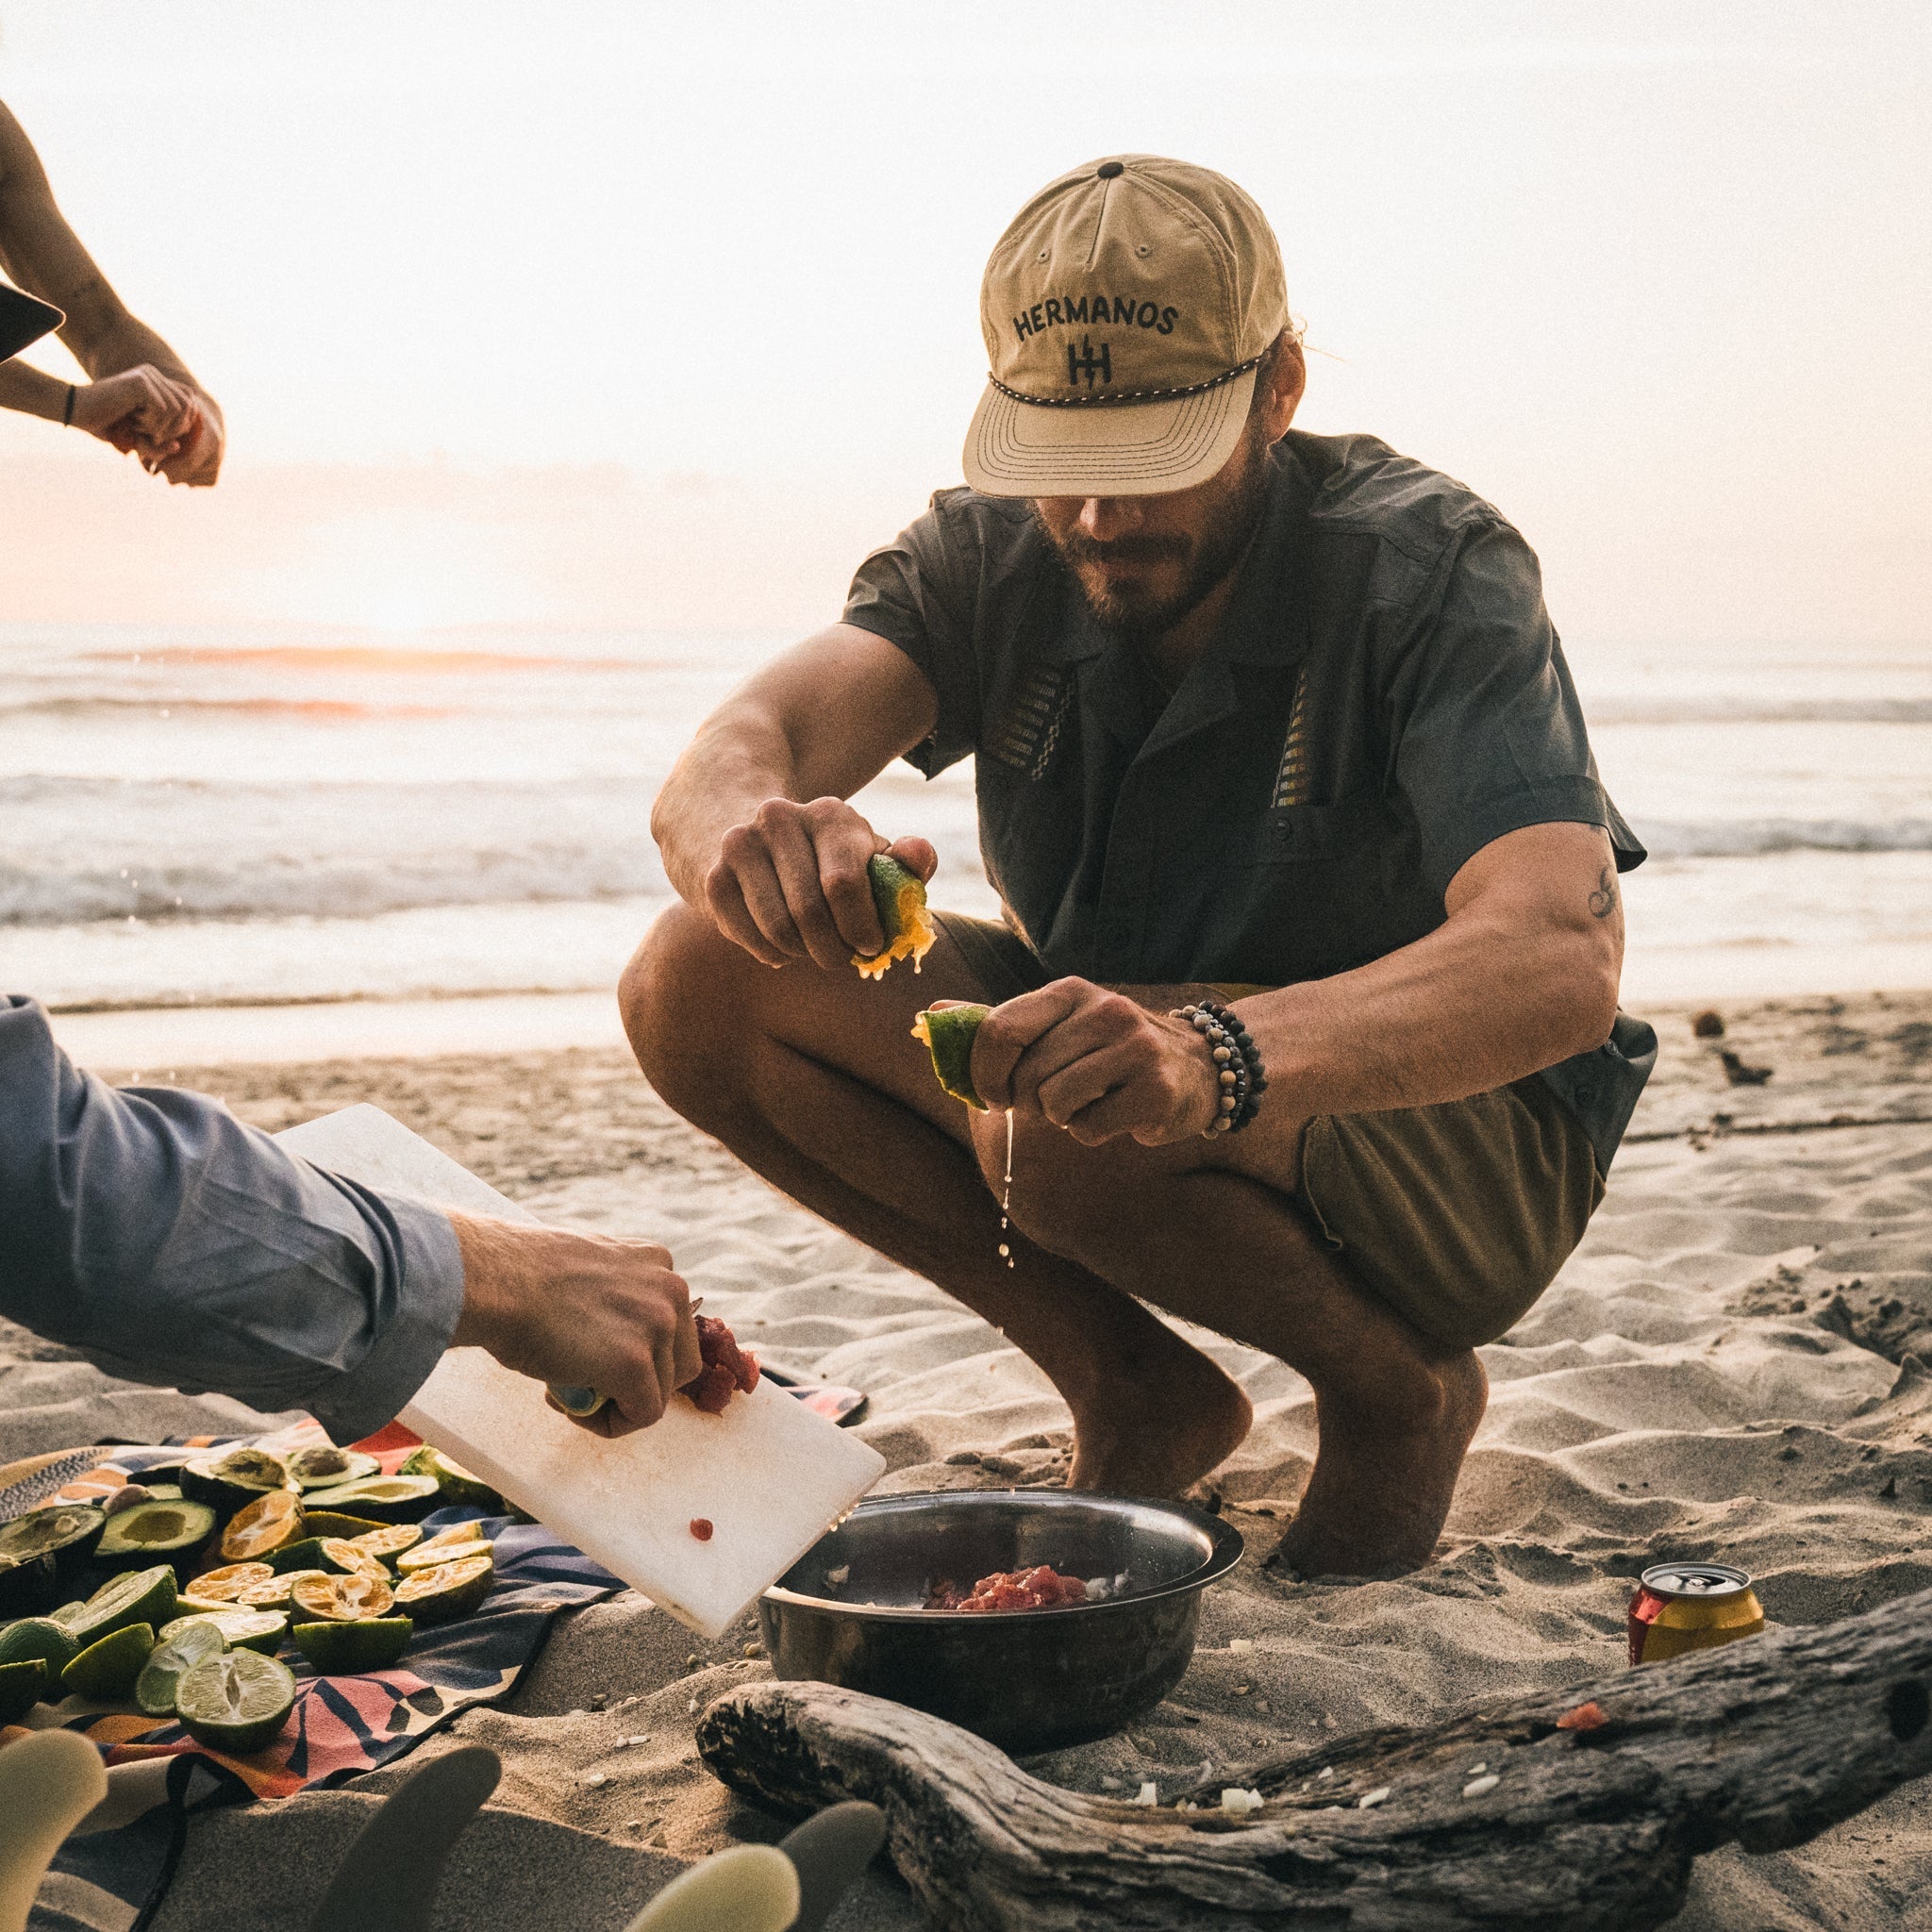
1685	1606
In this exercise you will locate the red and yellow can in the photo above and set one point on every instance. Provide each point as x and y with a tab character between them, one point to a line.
1686	1606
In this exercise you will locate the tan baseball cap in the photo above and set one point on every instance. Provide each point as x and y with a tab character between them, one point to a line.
1124	310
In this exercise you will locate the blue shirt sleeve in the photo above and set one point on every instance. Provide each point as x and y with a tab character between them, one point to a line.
170	1244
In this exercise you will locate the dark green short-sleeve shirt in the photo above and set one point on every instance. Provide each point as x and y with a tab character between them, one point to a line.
1386	697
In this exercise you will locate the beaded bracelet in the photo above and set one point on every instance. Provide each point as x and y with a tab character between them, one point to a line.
1243	1078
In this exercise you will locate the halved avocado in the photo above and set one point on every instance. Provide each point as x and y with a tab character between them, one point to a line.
38	1638
327	1468
136	1596
171	1530
386	1498
232	1480
456	1482
23	1685
42	1552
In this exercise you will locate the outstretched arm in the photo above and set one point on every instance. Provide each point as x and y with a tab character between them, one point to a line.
753	822
143	395
168	1242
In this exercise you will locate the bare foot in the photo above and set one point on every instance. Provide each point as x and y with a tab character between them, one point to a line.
1158	1440
1382	1483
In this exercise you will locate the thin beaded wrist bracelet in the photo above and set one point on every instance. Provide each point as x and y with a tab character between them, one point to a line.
1243	1078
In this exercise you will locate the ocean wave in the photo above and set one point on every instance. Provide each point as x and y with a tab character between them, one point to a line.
80	851
1741	710
325	708
1756	837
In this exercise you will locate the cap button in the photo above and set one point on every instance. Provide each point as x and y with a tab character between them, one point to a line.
1107	169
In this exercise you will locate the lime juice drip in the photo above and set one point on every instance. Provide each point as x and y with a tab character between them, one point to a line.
1006	1191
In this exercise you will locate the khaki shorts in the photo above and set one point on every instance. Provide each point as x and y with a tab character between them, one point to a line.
1456	1215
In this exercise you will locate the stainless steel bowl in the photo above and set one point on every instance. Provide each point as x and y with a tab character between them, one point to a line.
850	1610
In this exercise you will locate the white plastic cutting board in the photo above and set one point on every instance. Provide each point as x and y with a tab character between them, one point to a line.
769	1475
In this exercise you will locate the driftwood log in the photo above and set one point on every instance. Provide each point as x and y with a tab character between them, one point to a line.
1594	1828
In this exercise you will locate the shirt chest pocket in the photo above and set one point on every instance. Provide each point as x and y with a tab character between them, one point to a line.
1297	835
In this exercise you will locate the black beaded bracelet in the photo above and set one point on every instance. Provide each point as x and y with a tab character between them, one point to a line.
1237	1060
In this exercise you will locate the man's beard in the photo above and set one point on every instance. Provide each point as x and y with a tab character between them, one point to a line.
1137	611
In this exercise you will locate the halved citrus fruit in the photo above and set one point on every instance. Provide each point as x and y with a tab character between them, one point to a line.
342	1599
274	1593
225	1584
898	893
949	1030
244	1629
235	1702
23	1685
390	1541
445	1546
339	1649
264	1526
171	1658
105	1672
450	1590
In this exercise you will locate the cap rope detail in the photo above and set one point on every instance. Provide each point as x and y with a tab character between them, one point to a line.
1132	395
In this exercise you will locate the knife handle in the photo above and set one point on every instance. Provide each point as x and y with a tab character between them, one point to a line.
576	1402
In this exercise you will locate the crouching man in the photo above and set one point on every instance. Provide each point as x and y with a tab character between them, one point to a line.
1268	720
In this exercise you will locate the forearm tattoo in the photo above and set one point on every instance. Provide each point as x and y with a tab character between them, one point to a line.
1603	902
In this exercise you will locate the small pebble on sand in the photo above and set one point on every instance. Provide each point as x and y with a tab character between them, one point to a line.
1369	1800
596	1778
1481	1786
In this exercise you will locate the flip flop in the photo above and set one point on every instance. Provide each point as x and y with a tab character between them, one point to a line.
388	1879
748	1889
831	1851
48	1782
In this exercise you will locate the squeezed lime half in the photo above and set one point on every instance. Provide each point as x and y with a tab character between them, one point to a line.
171	1658
235	1702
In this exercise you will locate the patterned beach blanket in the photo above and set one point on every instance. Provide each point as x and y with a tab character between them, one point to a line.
113	1881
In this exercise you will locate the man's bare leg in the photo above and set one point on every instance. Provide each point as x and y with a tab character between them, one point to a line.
810	1080
815	1082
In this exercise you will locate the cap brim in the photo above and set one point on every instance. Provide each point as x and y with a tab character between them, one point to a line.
1105	449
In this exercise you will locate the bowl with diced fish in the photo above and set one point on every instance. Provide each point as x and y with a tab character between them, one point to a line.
1037	1618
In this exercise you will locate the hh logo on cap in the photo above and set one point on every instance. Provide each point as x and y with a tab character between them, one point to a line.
1085	362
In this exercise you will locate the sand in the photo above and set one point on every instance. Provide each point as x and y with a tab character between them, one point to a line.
1716	1373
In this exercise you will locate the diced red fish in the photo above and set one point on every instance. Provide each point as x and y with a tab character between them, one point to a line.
1040	1589
701	1528
729	1370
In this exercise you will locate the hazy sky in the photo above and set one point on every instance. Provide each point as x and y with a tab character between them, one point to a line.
625	314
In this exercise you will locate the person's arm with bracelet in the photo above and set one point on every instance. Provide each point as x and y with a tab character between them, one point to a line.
141	397
170	1244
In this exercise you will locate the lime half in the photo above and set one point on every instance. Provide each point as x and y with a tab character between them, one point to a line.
269	1524
450	1590
170	1660
136	1596
236	1702
245	1629
22	1686
446	1546
38	1637
105	1672
343	1650
341	1599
